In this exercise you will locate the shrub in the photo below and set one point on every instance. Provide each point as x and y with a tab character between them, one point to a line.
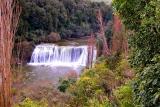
146	87
64	84
124	96
30	103
123	70
96	103
93	87
113	60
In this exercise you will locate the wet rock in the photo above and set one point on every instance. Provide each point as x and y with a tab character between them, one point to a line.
51	38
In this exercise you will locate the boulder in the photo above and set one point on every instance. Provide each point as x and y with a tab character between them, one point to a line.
52	37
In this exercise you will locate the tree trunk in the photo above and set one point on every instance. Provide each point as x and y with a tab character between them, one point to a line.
9	16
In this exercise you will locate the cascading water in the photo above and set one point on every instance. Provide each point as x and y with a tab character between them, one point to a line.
53	55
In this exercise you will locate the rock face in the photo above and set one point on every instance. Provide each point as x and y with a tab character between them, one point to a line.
22	52
51	38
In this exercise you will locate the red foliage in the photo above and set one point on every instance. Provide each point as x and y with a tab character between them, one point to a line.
119	39
101	33
117	24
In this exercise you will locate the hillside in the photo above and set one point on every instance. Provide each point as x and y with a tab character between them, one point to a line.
68	18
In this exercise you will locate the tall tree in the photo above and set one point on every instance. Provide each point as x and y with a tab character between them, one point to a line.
9	16
101	33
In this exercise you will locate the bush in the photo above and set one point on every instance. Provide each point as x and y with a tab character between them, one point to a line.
124	96
146	87
96	103
30	103
93	87
64	84
113	60
123	70
96	85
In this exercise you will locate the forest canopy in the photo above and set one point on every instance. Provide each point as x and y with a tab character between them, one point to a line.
69	18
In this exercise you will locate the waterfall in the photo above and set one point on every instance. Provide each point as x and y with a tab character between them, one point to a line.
54	55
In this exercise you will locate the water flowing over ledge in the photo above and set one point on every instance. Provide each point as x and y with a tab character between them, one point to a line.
54	55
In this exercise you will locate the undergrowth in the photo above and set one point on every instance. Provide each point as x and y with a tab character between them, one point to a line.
104	85
31	103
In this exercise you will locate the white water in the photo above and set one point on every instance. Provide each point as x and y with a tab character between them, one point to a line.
53	55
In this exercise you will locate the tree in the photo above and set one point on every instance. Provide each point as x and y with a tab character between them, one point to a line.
143	18
70	18
101	34
9	15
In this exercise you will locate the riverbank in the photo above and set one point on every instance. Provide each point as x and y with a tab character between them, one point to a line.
40	83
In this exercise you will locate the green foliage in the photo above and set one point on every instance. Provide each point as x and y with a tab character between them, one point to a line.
90	88
146	87
121	68
64	84
70	18
113	60
143	17
124	96
95	85
30	103
146	40
96	103
117	64
125	9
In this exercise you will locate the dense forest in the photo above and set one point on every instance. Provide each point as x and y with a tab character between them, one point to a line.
69	18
